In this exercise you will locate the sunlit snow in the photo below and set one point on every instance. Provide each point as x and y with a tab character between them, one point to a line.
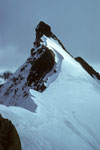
67	117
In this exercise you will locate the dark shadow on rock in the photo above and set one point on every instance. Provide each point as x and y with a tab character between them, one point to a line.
9	139
40	67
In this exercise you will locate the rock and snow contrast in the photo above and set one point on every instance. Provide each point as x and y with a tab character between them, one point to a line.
58	95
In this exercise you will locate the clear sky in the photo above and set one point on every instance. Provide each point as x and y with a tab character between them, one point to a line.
75	22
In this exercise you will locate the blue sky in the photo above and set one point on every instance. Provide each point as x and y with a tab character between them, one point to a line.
75	22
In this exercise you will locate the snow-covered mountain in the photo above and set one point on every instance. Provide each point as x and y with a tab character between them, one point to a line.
61	91
40	69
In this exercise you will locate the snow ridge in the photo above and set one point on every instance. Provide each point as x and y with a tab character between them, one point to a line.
66	113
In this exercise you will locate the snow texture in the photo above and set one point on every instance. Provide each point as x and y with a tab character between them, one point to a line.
67	116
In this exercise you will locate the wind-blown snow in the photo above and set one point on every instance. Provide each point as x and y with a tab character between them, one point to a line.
67	117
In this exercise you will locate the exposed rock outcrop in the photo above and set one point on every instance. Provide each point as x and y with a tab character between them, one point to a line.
45	29
88	68
40	67
9	138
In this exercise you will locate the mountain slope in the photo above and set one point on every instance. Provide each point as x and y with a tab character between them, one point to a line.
67	114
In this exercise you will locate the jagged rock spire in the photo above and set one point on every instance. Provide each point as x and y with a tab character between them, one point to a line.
43	29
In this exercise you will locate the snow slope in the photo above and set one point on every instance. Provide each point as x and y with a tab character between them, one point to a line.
67	116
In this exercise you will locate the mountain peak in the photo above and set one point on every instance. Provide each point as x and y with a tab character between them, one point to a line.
40	69
43	29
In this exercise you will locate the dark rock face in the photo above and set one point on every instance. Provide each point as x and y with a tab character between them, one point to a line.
40	67
46	59
88	68
9	139
43	29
